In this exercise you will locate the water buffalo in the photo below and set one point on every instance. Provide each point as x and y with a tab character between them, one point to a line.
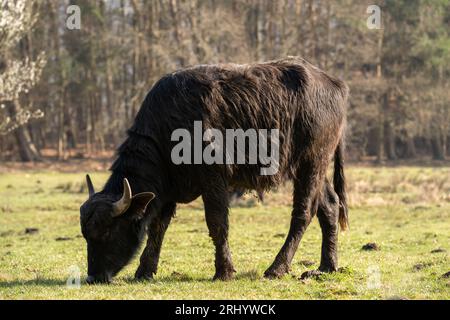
305	105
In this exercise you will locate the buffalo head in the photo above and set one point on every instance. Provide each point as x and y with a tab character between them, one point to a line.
113	229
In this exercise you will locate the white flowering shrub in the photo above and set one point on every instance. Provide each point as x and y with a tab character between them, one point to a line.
17	17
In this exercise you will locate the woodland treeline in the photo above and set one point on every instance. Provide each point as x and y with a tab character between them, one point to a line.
75	92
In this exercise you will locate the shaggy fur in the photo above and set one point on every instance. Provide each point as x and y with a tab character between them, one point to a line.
303	102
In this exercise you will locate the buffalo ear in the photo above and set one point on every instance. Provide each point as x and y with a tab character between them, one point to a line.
140	202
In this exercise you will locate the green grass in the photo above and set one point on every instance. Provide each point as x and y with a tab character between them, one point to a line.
406	211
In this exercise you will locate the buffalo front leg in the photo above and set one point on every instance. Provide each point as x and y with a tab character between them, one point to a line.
216	213
148	265
305	189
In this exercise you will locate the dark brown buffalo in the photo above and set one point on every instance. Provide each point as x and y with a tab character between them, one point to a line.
304	103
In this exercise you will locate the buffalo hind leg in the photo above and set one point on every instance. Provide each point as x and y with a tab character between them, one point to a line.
328	214
216	213
305	189
148	265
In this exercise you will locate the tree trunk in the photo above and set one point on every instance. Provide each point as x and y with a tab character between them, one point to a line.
260	31
389	141
27	149
436	148
381	116
410	147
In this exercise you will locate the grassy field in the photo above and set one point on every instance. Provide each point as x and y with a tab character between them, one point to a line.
404	210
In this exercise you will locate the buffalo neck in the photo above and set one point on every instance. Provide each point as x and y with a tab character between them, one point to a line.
138	161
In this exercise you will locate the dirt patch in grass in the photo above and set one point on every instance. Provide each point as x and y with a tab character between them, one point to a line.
421	266
371	246
31	230
63	239
438	250
311	274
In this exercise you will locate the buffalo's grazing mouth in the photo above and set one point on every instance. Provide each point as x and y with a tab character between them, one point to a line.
113	229
307	107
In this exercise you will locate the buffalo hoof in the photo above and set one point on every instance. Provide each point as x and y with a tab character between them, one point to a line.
143	276
275	273
224	275
328	268
98	280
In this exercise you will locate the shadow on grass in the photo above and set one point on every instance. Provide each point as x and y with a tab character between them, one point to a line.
35	282
168	279
248	275
176	277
